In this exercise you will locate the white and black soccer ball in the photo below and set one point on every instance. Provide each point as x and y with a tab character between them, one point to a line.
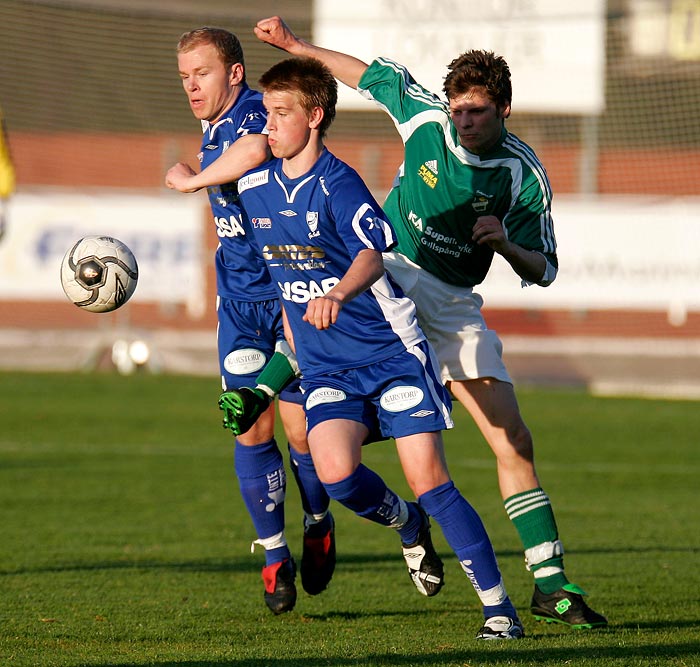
99	274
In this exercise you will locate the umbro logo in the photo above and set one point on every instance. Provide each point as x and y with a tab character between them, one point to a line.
422	413
288	213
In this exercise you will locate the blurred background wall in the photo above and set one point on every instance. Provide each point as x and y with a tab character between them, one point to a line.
605	92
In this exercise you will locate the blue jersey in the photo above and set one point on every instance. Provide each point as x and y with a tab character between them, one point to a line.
309	230
240	272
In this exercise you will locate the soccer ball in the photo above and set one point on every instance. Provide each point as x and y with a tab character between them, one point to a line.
99	274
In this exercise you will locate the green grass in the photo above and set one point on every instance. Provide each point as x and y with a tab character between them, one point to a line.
123	540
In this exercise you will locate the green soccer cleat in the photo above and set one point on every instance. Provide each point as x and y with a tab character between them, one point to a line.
242	407
566	606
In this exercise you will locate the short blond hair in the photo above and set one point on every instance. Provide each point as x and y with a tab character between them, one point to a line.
226	43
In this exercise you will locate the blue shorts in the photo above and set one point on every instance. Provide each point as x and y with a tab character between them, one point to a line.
399	396
246	338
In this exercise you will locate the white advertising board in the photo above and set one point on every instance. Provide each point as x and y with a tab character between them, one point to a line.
614	253
163	231
555	50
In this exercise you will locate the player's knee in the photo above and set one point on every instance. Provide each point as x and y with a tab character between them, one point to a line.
296	436
298	443
335	476
261	431
426	478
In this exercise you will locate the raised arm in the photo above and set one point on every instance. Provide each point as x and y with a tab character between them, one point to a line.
276	32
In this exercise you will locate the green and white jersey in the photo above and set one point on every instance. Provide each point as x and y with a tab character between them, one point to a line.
441	188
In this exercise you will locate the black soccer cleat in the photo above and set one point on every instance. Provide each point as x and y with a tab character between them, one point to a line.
280	591
318	560
565	606
501	627
424	565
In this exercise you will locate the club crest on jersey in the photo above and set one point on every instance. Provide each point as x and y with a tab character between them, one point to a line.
312	222
428	173
481	201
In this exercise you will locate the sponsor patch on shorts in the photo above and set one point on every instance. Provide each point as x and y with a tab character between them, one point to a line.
245	361
398	399
324	395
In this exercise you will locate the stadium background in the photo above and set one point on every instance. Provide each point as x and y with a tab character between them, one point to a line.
93	107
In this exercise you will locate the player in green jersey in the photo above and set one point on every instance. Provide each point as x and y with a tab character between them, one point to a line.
468	189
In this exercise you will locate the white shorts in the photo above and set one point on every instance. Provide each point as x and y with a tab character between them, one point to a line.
451	319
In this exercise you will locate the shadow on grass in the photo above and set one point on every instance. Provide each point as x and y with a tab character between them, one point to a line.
521	652
253	565
203	565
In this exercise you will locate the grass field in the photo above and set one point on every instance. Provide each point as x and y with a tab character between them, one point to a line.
123	540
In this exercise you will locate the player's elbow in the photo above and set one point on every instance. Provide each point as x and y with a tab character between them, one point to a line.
550	273
547	277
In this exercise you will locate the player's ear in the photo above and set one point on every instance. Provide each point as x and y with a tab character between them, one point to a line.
315	117
236	74
505	112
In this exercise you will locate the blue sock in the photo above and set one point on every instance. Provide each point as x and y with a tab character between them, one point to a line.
314	497
409	531
365	493
262	480
466	535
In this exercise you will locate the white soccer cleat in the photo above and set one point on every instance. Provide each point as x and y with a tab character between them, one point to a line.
501	627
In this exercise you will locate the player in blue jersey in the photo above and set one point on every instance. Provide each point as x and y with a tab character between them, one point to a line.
250	330
468	189
367	371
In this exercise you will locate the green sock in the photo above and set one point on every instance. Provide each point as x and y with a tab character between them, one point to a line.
279	371
531	513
